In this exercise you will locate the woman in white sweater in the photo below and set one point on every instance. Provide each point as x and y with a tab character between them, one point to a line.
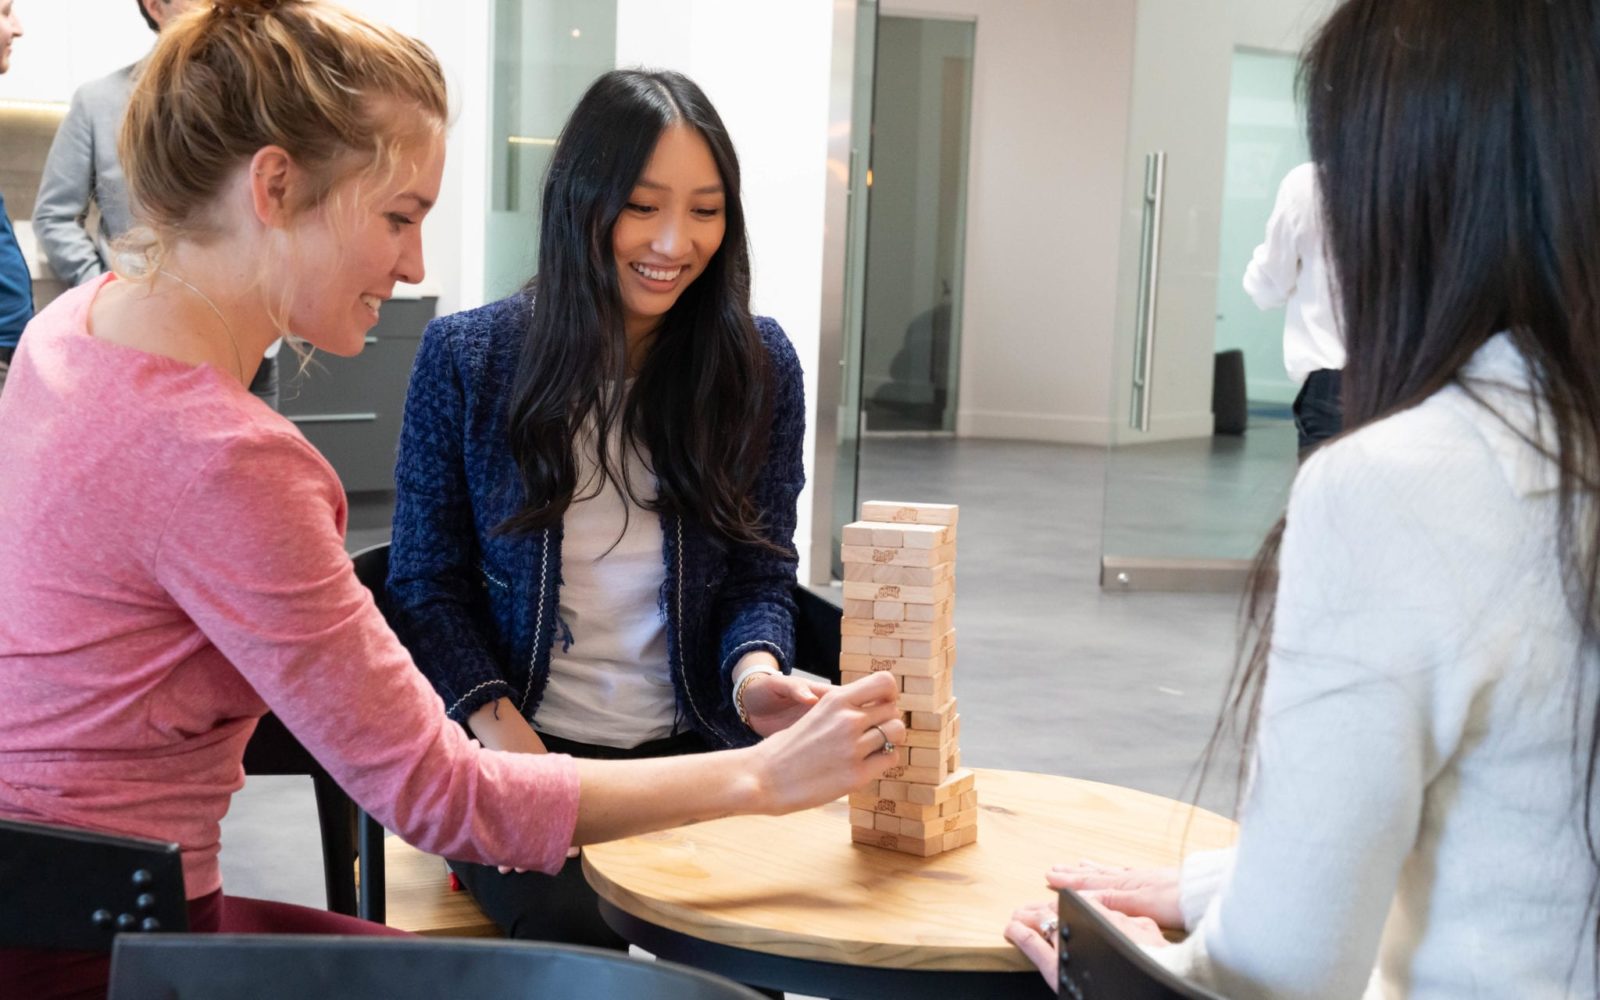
1419	815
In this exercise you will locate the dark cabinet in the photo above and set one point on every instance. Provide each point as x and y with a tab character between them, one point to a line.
350	408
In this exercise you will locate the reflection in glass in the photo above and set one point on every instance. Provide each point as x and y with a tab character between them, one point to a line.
546	53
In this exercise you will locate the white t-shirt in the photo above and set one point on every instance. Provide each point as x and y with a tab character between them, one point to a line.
613	685
1290	268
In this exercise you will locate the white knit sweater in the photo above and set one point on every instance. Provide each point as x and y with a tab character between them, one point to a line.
1413	828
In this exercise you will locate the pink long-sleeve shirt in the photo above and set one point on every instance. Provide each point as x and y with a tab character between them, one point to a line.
172	566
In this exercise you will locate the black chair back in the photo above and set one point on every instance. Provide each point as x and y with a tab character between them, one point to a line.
246	967
816	635
348	834
1098	962
72	889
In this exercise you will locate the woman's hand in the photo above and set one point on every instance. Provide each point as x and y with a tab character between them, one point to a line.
1034	930
774	702
1137	892
835	748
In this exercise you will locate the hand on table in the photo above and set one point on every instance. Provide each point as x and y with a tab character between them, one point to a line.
1032	928
1137	892
774	702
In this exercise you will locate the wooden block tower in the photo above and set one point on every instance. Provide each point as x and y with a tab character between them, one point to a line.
899	602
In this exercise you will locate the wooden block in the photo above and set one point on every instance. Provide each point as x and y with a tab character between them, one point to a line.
886	823
894	842
934	720
930	633
954	786
939	610
912	684
924	776
967	802
922	829
924	536
898	512
942	555
889	538
895	592
934	737
858	644
892	807
921	649
901	666
862	818
926	704
858	609
884	645
957	838
857	533
906	576
851	676
926	757
887	611
893	790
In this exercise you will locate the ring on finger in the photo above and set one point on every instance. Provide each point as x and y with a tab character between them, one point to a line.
888	744
1048	927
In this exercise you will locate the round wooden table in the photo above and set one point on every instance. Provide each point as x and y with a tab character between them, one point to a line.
790	903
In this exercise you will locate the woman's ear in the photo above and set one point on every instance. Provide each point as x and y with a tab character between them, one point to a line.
274	180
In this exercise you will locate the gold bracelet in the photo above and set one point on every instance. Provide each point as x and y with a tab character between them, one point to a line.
738	692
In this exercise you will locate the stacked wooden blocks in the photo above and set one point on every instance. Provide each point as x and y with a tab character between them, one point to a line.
899	604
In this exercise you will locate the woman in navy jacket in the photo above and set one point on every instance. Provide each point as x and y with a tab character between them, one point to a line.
593	538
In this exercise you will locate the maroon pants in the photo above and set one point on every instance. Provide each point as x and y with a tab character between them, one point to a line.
82	975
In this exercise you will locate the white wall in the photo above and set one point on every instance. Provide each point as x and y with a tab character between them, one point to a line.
766	68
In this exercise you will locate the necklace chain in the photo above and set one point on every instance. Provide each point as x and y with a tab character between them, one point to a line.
232	342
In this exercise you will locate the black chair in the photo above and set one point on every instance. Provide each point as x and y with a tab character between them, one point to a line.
1098	962
816	635
72	889
349	835
245	967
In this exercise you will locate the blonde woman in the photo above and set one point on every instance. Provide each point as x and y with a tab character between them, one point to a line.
184	569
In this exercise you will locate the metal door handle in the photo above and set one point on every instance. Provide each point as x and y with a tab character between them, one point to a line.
1144	345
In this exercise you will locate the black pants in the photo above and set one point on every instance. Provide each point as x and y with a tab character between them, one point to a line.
532	906
1318	409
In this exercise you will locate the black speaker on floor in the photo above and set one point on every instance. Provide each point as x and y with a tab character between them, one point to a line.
1228	404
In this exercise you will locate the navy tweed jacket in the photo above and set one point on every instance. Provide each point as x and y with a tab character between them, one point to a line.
479	610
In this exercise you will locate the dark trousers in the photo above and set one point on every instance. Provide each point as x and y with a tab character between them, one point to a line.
532	906
1318	409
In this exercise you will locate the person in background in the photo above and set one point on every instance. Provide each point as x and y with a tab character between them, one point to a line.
1421	706
185	569
16	284
83	177
593	547
1290	269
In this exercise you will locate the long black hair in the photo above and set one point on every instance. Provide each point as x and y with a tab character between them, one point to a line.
701	406
1460	182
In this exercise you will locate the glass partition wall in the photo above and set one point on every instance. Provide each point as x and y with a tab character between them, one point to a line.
1190	490
546	53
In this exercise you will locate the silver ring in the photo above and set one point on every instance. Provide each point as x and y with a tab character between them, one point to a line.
888	744
1048	927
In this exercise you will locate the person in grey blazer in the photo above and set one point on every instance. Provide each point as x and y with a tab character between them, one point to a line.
83	170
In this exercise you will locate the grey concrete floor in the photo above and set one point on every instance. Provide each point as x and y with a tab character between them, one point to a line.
1053	675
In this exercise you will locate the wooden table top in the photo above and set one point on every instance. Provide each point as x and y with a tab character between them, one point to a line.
796	886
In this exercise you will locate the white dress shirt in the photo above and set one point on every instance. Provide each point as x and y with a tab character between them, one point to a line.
1290	268
1414	807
